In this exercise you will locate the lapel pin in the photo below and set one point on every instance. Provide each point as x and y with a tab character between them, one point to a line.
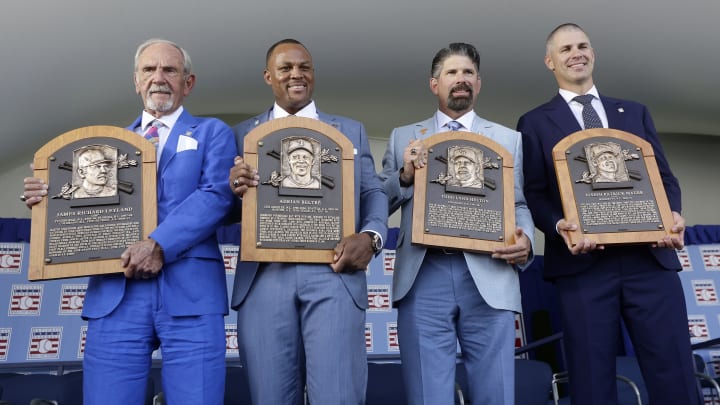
621	110
423	131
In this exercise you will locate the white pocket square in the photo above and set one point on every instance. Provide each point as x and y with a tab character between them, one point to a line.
186	143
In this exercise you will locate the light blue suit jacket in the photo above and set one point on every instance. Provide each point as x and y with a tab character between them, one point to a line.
193	199
496	280
370	202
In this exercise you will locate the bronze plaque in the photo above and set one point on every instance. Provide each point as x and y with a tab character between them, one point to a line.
611	187
305	201
101	198
464	197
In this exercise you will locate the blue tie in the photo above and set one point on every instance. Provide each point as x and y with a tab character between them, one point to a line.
590	117
454	125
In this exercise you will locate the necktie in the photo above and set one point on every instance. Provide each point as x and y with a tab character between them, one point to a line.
590	116
152	134
454	125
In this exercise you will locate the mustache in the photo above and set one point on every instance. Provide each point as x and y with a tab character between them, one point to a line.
156	88
462	87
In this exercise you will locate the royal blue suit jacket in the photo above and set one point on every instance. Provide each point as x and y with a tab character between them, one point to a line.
542	128
370	201
193	199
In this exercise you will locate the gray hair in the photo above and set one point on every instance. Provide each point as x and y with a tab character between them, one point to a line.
187	63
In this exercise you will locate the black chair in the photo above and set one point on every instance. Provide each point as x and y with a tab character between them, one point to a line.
385	384
533	383
24	388
707	383
632	391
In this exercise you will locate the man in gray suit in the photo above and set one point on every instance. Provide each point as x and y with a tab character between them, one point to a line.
304	324
444	297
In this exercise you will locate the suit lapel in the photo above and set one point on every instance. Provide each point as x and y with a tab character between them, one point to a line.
425	129
185	125
559	113
615	113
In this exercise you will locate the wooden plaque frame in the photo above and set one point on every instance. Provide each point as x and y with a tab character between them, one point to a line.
572	186
260	140
421	233
141	152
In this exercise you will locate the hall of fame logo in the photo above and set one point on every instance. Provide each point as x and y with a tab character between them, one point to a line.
388	262
72	297
369	348
705	292
392	337
81	343
684	258
230	257
5	334
231	339
44	343
379	298
697	324
711	258
25	299
11	257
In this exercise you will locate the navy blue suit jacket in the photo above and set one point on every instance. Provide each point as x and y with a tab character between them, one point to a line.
542	128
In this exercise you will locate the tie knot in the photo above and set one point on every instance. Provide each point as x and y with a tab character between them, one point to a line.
454	125
151	134
584	99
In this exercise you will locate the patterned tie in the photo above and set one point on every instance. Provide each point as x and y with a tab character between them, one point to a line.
590	117
152	134
454	125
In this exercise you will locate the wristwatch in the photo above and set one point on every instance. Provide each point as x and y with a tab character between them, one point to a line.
375	242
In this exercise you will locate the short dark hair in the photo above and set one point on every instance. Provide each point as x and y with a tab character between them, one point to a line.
281	42
456	48
563	27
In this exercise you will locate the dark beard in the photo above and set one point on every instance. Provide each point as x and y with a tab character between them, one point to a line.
459	103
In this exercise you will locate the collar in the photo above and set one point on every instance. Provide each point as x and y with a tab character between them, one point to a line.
568	95
309	111
441	119
167	120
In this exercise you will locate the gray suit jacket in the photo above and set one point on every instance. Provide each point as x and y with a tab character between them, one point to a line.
496	280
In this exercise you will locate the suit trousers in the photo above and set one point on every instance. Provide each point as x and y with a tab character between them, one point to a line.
444	308
119	347
299	325
627	283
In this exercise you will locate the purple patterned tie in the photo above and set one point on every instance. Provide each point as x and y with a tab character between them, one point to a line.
454	125
152	133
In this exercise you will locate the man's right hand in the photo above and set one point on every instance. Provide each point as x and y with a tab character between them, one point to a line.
584	246
414	157
34	190
242	176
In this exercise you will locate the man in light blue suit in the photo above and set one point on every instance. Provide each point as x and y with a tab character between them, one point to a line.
444	297
304	324
173	294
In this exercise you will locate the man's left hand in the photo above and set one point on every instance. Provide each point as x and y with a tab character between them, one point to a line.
143	259
352	253
674	241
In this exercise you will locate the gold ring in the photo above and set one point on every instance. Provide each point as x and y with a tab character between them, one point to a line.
23	198
236	182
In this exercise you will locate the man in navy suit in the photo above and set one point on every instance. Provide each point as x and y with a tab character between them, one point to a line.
304	324
173	294
599	286
444	297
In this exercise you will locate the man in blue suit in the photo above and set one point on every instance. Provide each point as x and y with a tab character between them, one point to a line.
444	297
173	294
599	286
304	324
